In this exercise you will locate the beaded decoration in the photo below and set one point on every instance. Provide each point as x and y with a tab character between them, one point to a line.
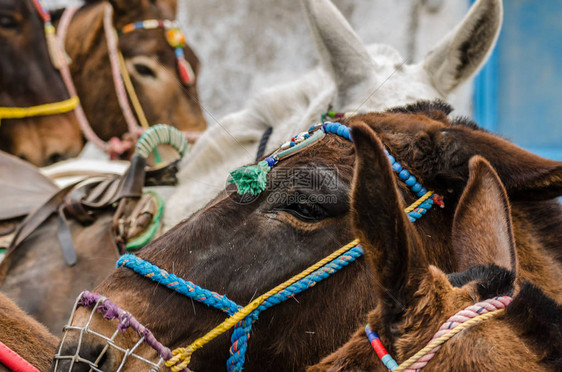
175	38
252	179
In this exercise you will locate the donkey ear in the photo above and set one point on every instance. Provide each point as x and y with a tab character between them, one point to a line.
482	229
342	54
378	217
464	50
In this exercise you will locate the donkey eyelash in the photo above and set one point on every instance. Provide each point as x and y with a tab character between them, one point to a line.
309	212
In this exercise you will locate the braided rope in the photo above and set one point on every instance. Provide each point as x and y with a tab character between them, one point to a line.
161	134
182	356
184	287
69	83
113	51
241	333
464	319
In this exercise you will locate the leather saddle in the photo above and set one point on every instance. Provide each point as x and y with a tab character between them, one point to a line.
30	196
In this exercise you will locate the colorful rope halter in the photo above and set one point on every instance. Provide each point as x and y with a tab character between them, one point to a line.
175	38
59	62
123	85
252	179
464	319
243	318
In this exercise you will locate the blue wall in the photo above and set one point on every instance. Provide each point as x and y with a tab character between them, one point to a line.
518	94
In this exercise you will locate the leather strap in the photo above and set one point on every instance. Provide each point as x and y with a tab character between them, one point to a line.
65	239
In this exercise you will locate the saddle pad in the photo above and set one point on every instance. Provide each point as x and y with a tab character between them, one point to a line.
22	187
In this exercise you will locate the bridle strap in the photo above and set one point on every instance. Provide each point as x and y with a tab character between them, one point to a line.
121	81
466	318
14	361
85	126
46	109
58	60
114	56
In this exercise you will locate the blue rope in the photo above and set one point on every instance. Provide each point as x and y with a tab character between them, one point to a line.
242	330
182	286
241	333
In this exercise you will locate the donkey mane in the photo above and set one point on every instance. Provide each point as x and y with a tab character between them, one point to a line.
424	107
429	108
492	280
539	318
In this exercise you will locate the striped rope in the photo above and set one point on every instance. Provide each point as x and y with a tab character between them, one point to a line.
161	134
182	356
466	318
119	85
175	283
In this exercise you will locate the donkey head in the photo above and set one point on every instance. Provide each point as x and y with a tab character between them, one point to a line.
437	149
28	78
150	61
376	78
242	249
416	297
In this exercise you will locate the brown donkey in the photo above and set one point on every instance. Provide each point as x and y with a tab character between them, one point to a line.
150	61
416	298
243	247
25	336
28	78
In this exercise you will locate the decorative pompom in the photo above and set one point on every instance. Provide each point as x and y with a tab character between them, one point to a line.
251	179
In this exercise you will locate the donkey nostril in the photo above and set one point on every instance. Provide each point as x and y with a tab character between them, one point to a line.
55	158
145	70
23	157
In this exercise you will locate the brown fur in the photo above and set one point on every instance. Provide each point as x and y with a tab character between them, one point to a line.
416	298
163	97
41	282
28	78
26	336
243	249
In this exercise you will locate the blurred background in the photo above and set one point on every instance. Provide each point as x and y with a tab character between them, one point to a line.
248	45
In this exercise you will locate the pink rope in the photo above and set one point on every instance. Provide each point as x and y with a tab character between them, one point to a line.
457	319
67	78
114	146
112	46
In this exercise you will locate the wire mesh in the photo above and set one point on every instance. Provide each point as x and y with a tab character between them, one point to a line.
104	306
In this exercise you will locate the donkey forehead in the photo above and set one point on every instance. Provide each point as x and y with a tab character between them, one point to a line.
397	83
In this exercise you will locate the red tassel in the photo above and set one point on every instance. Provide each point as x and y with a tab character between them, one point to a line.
186	72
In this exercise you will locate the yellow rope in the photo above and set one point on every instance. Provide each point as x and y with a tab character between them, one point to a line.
40	110
416	204
132	94
439	341
184	354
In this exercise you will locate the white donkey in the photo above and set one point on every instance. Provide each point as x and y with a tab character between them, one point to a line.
352	78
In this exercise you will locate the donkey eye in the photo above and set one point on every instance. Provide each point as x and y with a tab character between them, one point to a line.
7	21
310	212
145	70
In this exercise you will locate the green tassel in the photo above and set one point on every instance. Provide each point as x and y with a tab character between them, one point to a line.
251	179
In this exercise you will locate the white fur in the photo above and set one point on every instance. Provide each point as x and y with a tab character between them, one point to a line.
352	78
